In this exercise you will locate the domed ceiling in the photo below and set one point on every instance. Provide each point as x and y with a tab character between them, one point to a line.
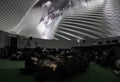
61	19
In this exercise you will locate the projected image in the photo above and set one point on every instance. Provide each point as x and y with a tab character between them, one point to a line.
54	10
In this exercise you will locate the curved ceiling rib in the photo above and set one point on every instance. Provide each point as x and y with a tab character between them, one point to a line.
81	25
62	36
84	30
70	34
81	33
12	12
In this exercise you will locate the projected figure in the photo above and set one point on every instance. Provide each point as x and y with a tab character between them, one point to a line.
47	4
50	19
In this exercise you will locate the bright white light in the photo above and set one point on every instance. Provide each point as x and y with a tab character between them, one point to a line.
41	27
92	3
47	4
78	40
84	3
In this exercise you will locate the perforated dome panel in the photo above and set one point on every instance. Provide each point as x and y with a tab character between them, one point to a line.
13	11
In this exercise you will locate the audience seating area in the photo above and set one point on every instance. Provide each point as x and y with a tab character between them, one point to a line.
61	65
